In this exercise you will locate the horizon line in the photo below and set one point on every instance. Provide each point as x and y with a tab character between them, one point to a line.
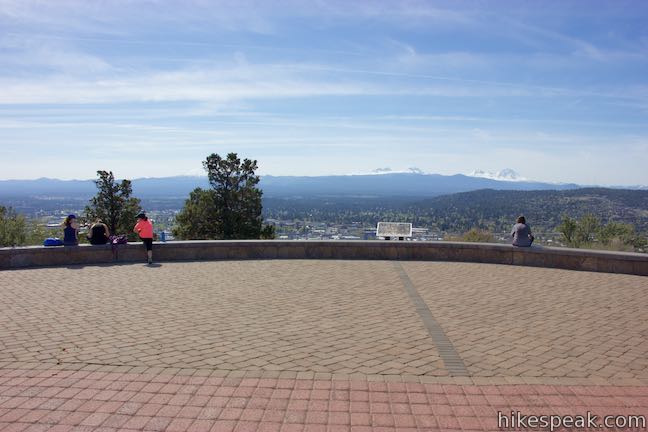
523	180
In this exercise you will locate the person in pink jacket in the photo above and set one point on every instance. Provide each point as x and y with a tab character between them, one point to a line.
144	228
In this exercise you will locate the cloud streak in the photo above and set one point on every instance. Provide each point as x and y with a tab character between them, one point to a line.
443	85
219	84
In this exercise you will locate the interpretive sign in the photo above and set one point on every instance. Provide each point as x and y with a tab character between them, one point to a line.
394	229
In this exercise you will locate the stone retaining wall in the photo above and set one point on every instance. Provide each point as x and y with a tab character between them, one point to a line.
574	259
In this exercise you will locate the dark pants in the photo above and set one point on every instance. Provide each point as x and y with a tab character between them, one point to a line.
148	243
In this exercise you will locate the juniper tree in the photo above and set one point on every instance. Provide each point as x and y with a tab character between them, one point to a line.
231	209
113	204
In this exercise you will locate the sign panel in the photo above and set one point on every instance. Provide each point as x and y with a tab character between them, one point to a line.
394	229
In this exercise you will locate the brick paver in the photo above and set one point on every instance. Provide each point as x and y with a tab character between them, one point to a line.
213	403
300	316
315	346
536	322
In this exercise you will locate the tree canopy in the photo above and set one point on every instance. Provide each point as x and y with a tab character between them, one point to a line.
589	232
113	204
12	227
231	209
197	220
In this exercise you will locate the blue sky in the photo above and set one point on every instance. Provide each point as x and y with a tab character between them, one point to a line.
556	90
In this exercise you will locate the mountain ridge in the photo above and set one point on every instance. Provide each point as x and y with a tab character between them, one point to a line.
387	184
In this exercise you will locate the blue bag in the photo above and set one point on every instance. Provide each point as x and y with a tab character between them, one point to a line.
53	241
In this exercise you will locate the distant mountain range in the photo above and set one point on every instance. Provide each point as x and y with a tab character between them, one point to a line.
507	174
413	184
392	184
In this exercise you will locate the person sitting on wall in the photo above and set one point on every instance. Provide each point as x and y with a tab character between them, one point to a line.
521	233
70	231
99	233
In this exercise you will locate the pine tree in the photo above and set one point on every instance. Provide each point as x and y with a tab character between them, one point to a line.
113	204
198	219
231	209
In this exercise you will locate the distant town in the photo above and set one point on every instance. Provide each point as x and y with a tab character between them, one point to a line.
440	208
49	220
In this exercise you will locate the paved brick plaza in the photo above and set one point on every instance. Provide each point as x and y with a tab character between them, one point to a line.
316	346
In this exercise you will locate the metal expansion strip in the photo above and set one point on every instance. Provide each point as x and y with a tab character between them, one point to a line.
451	359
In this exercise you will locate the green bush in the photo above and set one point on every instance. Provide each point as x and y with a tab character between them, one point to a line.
478	235
12	227
588	232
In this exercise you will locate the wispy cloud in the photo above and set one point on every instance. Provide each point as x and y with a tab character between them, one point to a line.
124	17
127	40
525	25
199	86
407	13
32	54
449	84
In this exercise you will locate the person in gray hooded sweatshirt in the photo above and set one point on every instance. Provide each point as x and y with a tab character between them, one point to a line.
522	233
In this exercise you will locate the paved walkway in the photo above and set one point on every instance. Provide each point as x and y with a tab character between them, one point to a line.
317	346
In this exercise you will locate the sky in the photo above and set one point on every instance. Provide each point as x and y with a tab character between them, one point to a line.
556	90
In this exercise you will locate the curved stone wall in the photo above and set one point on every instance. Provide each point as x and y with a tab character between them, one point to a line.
538	256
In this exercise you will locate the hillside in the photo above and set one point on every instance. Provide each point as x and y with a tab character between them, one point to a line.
497	209
494	210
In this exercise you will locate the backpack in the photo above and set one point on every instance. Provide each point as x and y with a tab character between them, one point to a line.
53	241
120	239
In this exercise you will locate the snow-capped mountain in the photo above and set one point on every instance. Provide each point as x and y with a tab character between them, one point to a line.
507	174
387	170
